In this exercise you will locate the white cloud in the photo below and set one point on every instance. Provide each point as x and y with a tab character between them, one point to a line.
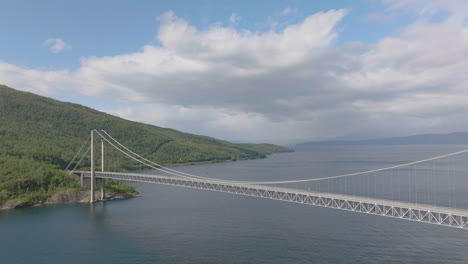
224	123
454	11
289	11
210	67
418	77
280	85
42	82
234	18
166	17
57	45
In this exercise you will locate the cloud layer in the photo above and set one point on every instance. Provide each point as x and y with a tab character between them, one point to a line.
282	85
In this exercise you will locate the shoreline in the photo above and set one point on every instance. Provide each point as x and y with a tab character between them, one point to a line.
68	196
80	195
222	161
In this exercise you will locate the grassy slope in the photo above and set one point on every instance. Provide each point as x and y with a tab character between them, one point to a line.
38	136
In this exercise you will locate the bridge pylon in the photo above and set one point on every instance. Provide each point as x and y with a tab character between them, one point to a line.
92	184
92	199
103	182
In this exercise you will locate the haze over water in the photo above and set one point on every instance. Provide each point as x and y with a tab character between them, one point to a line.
177	225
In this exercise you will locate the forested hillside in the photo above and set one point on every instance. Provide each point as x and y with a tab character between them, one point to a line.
39	136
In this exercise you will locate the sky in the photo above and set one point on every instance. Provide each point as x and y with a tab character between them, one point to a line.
251	71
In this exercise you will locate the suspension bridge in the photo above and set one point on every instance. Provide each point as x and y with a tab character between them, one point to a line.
424	191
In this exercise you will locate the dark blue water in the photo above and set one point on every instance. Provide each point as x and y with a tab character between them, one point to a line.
177	225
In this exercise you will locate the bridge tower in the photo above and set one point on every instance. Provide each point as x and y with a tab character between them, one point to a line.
92	199
103	181
93	181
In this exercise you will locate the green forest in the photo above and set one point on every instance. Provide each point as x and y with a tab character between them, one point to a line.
39	136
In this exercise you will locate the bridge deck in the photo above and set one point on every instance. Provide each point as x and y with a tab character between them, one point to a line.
409	211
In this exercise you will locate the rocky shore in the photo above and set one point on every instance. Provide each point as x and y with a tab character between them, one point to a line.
68	196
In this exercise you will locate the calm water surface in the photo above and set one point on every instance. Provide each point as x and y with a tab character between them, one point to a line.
178	225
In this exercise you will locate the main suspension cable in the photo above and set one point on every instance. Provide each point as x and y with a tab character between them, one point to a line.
187	175
163	168
364	172
130	156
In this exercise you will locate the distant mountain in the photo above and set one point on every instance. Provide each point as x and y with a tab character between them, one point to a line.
455	138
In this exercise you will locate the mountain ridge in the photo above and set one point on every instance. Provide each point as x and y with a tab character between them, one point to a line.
420	139
40	135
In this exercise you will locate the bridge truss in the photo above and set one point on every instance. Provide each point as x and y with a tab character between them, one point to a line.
414	212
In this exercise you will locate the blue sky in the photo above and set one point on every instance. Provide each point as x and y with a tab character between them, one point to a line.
106	28
238	70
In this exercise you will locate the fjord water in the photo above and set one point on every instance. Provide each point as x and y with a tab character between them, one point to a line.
177	225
